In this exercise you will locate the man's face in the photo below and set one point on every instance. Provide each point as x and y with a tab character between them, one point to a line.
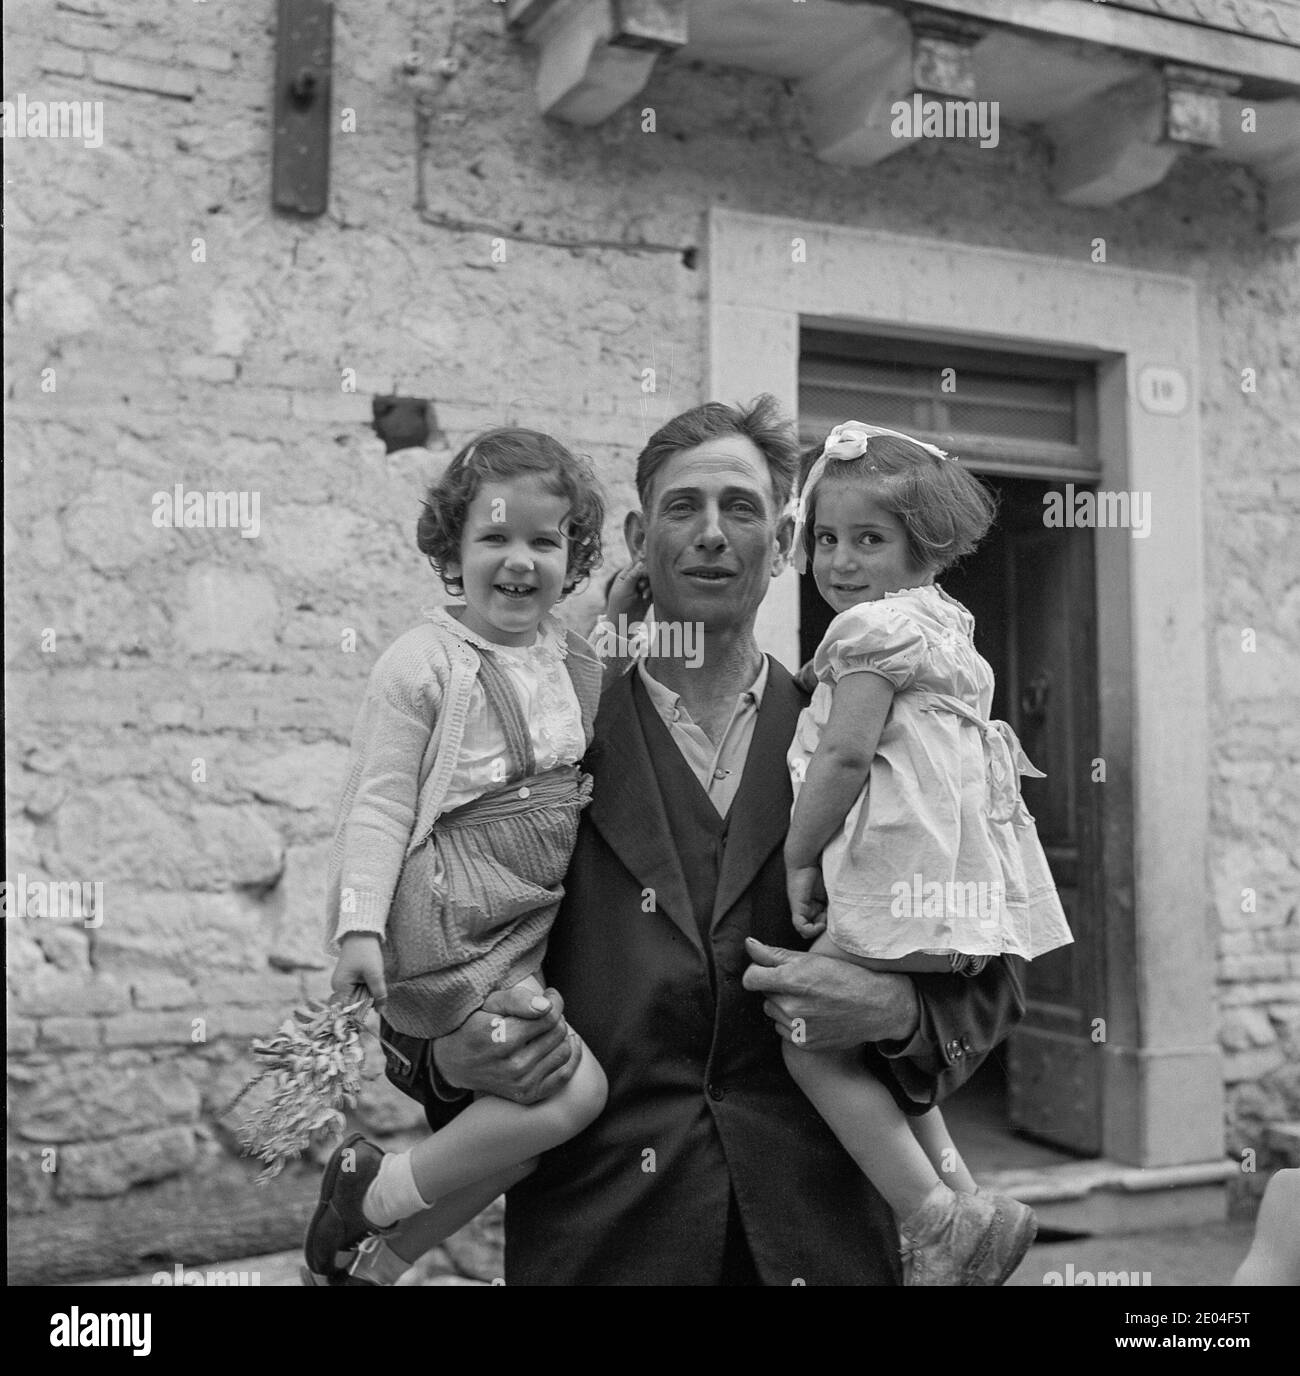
711	535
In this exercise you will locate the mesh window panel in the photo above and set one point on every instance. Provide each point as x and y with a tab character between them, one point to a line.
911	396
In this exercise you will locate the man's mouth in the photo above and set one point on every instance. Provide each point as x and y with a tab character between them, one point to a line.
708	573
517	591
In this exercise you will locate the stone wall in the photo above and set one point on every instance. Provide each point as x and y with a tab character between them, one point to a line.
181	698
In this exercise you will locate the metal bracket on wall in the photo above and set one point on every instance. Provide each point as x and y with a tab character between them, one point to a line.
300	160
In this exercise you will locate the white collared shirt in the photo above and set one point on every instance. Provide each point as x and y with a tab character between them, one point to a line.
718	768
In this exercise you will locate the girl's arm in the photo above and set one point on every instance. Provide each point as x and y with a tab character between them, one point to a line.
836	775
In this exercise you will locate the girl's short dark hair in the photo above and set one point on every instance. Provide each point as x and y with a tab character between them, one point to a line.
497	456
944	509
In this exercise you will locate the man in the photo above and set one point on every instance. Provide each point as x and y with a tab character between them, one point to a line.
674	950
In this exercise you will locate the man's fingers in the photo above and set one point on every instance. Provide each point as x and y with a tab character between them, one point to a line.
778	1014
567	1059
519	1002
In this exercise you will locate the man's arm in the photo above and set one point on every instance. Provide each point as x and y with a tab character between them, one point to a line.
934	1029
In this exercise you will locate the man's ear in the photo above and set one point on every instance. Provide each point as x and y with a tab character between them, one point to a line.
784	540
634	534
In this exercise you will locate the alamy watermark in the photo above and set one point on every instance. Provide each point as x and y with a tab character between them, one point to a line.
920	118
622	638
21	118
181	1275
181	509
1087	509
75	900
979	898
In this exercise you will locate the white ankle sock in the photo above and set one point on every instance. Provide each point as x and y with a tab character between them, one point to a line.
392	1193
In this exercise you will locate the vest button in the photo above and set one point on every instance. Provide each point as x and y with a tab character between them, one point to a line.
524	792
716	1092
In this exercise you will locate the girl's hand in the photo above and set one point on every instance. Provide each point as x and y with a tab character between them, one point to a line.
360	966
807	896
629	594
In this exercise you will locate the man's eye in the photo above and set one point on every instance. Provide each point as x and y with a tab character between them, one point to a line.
677	508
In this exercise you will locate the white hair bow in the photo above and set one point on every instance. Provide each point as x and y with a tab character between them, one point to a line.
846	441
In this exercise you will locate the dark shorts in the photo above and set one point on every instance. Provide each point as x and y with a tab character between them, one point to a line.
408	1066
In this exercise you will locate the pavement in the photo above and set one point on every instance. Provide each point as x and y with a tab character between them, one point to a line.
1207	1255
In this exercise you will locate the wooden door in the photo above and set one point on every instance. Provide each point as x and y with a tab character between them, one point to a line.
1031	590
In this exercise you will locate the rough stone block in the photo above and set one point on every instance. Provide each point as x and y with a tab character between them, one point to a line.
237	847
78	1103
70	1034
30	1187
1246	1027
308	778
156	1029
276	990
208	56
202	368
228	612
296	910
1251	1064
98	1170
63	61
50	993
152	992
144	76
186	935
20	1035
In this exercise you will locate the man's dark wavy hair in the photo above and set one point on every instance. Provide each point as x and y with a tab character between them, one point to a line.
497	456
761	422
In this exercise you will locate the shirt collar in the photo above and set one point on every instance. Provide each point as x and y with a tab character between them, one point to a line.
665	700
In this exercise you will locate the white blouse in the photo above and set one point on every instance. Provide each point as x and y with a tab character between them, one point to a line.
546	696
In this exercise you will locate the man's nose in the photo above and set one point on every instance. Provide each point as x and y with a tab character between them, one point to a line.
709	534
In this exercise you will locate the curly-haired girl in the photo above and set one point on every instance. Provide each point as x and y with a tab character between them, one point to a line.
458	821
909	846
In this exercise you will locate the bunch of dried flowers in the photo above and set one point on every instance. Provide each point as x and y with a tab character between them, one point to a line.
314	1062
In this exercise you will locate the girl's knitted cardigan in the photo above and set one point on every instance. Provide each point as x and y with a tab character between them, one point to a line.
405	745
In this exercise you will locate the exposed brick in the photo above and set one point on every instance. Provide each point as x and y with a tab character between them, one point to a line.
70	1034
203	368
156	991
98	1170
144	76
208	56
63	61
152	1029
328	408
54	993
1253	967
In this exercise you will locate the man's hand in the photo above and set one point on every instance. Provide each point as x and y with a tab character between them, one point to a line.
629	594
807	896
517	1046
824	1004
360	968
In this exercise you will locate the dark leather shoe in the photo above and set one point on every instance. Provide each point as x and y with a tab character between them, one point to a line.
339	1222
